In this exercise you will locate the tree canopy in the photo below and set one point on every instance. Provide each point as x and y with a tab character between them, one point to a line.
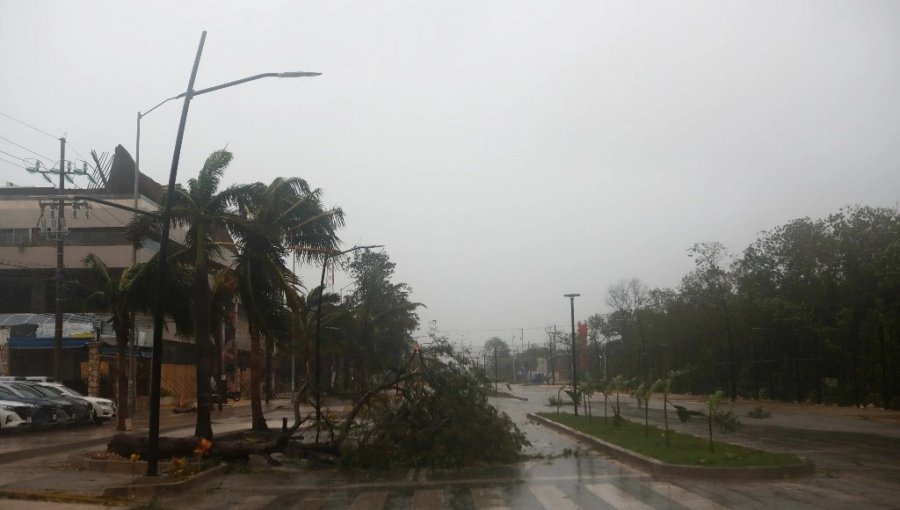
809	311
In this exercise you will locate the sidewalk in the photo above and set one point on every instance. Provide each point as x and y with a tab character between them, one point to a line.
15	445
805	416
36	464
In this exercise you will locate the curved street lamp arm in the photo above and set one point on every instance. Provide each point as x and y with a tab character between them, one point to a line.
164	101
297	74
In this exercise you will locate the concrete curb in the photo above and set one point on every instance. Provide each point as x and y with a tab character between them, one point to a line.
662	469
27	453
167	488
84	462
61	499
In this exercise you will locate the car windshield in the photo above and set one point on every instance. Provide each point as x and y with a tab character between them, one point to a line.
28	390
6	393
65	390
41	390
52	390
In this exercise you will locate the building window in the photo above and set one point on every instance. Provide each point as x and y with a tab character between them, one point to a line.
15	236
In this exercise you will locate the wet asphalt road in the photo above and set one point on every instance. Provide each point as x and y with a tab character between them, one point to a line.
564	475
855	471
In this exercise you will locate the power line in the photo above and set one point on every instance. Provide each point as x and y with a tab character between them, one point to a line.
105	210
29	126
12	155
23	160
18	165
25	148
69	143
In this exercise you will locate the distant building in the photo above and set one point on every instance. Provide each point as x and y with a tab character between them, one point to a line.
28	270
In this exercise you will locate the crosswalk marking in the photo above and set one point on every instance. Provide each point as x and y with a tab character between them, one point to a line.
255	501
488	499
369	501
684	497
432	499
551	497
315	502
616	497
548	496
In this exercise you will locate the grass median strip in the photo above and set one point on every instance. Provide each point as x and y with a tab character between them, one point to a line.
685	449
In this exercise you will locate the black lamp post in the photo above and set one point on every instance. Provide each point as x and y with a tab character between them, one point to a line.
574	356
156	366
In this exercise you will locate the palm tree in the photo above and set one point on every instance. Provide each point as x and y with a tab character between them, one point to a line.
224	292
304	322
115	296
275	219
121	295
206	213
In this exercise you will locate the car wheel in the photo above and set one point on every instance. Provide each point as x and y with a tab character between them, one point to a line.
93	417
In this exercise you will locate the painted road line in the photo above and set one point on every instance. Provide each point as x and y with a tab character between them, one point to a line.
616	497
255	502
311	502
684	497
488	499
551	497
369	501
432	499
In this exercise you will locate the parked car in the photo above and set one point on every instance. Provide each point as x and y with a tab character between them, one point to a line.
79	410
74	410
14	415
104	408
43	414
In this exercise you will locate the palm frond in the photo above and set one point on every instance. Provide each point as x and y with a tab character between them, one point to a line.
208	180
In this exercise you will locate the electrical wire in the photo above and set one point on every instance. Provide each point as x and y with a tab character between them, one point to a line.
12	155
29	126
25	148
104	210
68	144
18	165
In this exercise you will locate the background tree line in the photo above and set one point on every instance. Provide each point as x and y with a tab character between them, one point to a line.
809	311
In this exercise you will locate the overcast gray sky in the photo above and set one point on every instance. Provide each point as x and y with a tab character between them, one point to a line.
505	152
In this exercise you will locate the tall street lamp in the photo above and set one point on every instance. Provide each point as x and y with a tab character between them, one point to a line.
132	391
318	374
574	354
156	368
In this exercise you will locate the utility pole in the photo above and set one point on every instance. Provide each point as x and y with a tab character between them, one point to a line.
56	229
132	387
574	355
495	368
515	352
60	267
553	356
